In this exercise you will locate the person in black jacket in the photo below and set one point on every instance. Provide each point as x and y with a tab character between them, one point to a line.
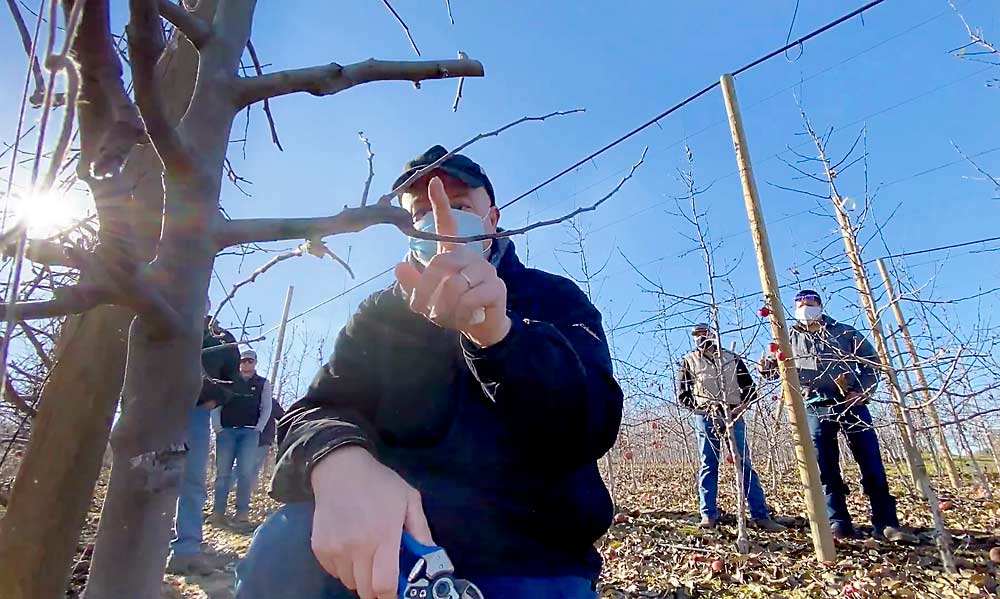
468	404
268	435
220	362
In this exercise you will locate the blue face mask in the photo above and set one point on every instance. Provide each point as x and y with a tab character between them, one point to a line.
467	224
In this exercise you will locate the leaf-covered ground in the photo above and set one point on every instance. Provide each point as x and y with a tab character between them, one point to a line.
656	550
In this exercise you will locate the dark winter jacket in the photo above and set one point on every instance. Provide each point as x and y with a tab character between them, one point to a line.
270	429
501	442
220	362
823	355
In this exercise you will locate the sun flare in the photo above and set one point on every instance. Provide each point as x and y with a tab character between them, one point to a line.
47	213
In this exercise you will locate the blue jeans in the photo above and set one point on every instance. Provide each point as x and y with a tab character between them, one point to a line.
237	445
825	422
280	563
193	491
710	431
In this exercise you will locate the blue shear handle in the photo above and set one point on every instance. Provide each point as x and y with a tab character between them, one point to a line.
410	550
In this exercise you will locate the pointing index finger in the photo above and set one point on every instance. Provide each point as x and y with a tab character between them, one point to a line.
444	222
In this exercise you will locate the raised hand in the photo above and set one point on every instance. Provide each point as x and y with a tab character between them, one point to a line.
459	289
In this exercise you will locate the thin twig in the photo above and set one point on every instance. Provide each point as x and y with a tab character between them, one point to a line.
451	17
371	167
267	103
536	225
996	183
461	82
402	24
387	198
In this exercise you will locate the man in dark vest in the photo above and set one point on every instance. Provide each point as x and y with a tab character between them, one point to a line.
238	426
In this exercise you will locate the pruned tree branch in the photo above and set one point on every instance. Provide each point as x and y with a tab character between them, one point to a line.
14	398
145	45
329	79
75	299
350	220
196	29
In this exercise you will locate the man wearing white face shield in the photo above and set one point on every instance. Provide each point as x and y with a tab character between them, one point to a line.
837	370
470	401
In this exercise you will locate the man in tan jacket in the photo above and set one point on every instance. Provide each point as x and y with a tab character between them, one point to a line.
709	379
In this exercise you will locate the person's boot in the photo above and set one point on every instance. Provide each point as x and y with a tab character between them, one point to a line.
768	525
708	523
242	518
218	519
898	535
189	564
842	530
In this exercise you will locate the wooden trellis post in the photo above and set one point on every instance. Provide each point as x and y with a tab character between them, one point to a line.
805	453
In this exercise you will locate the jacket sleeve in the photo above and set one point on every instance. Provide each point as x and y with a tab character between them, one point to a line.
337	410
748	390
554	374
867	360
685	385
265	407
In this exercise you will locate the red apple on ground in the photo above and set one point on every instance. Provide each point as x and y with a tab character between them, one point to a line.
628	455
717	565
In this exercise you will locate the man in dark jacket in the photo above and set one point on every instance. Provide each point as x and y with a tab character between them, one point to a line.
220	362
471	400
838	372
716	385
268	435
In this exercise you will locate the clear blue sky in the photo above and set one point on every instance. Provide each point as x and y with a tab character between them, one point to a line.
624	65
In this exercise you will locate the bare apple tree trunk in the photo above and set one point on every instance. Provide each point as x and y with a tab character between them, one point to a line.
55	483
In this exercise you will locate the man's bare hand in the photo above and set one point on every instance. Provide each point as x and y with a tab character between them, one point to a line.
362	508
457	284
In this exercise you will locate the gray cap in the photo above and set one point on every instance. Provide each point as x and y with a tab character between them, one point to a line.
249	353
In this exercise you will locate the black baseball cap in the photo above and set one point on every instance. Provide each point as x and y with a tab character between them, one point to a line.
459	166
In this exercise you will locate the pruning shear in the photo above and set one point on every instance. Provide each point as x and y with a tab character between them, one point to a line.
431	573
